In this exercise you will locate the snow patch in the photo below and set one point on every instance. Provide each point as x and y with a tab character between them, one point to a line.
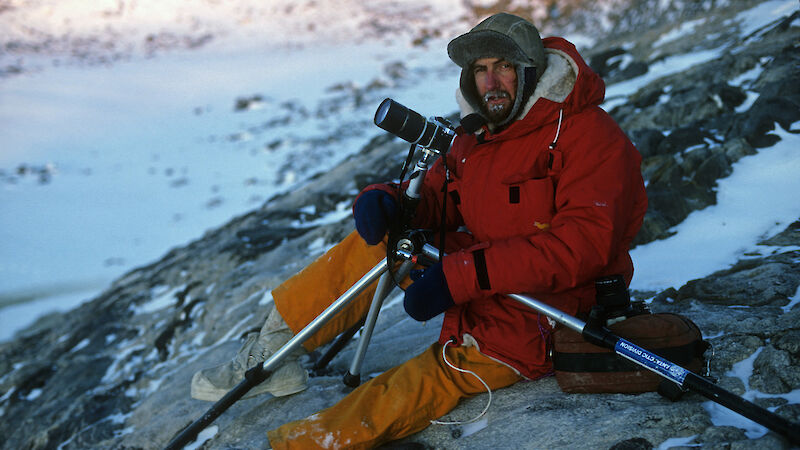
33	394
793	300
756	200
678	442
80	345
266	299
162	297
202	437
754	19
679	32
617	93
722	416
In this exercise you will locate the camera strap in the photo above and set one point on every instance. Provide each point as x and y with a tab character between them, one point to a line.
407	163
442	232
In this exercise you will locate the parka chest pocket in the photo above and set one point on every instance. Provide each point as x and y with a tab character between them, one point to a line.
531	195
531	202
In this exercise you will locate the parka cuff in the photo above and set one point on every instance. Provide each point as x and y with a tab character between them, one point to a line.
463	271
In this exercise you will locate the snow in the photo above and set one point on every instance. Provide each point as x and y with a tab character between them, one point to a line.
676	33
18	316
755	201
202	437
80	345
617	94
793	300
765	13
678	442
341	211
266	299
750	21
162	296
33	394
721	416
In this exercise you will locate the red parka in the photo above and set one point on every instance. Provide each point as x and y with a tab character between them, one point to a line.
551	203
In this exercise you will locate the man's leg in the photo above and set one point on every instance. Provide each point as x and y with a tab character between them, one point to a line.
298	301
397	403
302	298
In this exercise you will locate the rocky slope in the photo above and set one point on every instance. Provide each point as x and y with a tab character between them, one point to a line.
114	373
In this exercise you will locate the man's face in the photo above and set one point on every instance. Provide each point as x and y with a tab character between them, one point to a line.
496	82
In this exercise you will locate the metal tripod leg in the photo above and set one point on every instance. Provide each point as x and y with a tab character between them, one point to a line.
385	285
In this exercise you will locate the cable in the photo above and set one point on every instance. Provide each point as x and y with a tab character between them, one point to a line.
489	403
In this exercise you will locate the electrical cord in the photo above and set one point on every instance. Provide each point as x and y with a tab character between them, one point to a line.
489	403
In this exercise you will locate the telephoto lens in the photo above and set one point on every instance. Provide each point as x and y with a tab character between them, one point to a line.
410	126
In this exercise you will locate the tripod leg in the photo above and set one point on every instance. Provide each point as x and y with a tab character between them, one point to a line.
341	342
385	285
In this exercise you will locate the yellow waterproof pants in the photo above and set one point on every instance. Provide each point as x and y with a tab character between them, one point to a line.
301	298
393	405
397	403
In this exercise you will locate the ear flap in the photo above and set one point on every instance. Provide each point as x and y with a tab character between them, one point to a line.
469	91
531	79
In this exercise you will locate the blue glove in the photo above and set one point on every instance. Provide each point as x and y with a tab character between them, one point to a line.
374	211
428	296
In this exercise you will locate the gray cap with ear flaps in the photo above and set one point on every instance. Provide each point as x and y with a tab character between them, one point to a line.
504	36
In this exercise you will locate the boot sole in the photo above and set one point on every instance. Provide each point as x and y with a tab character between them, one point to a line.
201	389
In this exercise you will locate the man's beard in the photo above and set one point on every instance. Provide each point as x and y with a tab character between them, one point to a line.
499	112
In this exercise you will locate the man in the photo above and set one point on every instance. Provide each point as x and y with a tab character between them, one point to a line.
551	194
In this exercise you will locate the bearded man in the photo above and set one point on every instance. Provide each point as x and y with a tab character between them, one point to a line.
544	199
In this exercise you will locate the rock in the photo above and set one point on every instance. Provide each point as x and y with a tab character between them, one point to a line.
633	444
616	64
775	371
721	435
759	282
647	141
737	148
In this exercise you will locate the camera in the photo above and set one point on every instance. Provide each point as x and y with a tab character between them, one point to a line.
436	135
614	301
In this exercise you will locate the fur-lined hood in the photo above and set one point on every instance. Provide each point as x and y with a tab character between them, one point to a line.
568	84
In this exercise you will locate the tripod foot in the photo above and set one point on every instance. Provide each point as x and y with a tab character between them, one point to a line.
351	380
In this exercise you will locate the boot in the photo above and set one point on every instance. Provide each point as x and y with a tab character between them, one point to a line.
213	383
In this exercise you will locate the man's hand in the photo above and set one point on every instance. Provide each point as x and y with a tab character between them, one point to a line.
373	211
428	296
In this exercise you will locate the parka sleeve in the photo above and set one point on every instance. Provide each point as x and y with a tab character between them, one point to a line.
599	206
